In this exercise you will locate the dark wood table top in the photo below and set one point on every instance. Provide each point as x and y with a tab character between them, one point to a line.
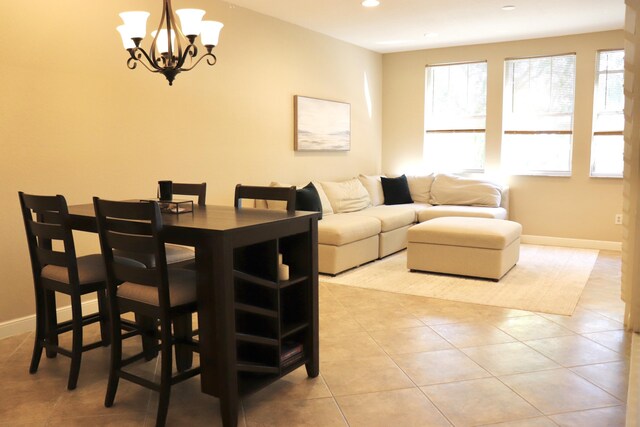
211	218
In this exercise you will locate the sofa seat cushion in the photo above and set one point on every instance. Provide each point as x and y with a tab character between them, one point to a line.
466	211
466	232
391	217
341	229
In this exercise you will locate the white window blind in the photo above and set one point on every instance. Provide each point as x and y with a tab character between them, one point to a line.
539	96
607	144
455	117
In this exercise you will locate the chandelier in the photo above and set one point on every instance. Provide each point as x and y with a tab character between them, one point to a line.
171	46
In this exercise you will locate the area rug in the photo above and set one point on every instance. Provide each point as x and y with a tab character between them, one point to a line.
547	279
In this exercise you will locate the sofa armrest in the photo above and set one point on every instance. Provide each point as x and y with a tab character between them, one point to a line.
504	199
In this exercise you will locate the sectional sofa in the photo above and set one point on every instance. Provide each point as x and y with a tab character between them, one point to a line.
359	225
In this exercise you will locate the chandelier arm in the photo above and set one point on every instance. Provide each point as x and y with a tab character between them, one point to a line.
209	56
154	64
190	51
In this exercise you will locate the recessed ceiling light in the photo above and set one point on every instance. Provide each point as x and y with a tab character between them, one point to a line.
370	3
508	7
430	35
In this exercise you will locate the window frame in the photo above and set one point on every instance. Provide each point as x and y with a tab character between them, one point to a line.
594	133
460	130
508	95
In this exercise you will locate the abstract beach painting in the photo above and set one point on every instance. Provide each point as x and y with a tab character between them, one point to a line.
321	125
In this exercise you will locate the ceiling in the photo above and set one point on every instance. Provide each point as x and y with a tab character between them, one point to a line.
402	25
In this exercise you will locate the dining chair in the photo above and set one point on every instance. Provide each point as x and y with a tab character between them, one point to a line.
165	295
284	194
177	255
56	268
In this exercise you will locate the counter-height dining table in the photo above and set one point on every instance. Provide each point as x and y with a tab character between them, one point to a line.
255	325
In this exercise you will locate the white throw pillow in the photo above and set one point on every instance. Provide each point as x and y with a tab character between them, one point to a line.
455	190
420	188
324	200
373	185
347	196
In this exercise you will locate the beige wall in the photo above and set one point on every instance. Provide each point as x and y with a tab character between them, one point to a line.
576	207
74	120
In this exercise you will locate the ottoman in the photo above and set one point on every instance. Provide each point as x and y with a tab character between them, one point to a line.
477	247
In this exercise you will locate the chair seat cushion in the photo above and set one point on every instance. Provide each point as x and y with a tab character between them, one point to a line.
90	269
182	289
175	253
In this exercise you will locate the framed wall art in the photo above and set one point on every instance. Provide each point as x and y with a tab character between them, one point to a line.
321	125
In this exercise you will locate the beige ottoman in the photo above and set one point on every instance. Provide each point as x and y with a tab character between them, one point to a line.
478	247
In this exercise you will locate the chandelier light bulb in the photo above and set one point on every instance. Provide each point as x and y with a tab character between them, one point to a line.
211	32
126	37
135	23
190	20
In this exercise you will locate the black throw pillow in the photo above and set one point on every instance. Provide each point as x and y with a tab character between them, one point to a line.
308	199
396	190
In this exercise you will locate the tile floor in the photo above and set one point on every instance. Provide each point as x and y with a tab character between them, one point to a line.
386	360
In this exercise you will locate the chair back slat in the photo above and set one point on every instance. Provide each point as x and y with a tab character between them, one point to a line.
46	219
131	243
49	231
50	257
135	228
285	194
185	189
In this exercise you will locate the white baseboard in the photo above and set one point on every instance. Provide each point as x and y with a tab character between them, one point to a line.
28	323
571	243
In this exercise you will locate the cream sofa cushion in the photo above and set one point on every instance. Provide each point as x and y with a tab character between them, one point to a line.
339	230
373	185
346	196
455	190
391	217
420	188
466	232
466	211
327	209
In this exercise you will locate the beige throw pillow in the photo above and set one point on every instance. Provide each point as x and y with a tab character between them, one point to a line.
373	185
455	190
420	188
347	196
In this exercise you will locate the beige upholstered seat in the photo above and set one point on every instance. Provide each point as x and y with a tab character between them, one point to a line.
182	289
391	217
467	211
478	247
175	254
90	269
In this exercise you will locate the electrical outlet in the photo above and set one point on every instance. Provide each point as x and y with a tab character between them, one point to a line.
618	219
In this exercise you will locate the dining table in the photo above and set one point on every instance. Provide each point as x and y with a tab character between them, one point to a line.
254	324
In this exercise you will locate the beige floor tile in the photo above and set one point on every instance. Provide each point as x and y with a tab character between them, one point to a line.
574	351
558	390
385	318
439	367
477	402
529	422
603	417
532	327
120	420
364	375
585	321
295	385
346	347
302	413
472	334
618	341
407	408
338	323
612	377
409	340
509	358
9	345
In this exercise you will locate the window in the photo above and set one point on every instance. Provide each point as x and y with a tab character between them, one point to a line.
607	144
538	115
455	117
